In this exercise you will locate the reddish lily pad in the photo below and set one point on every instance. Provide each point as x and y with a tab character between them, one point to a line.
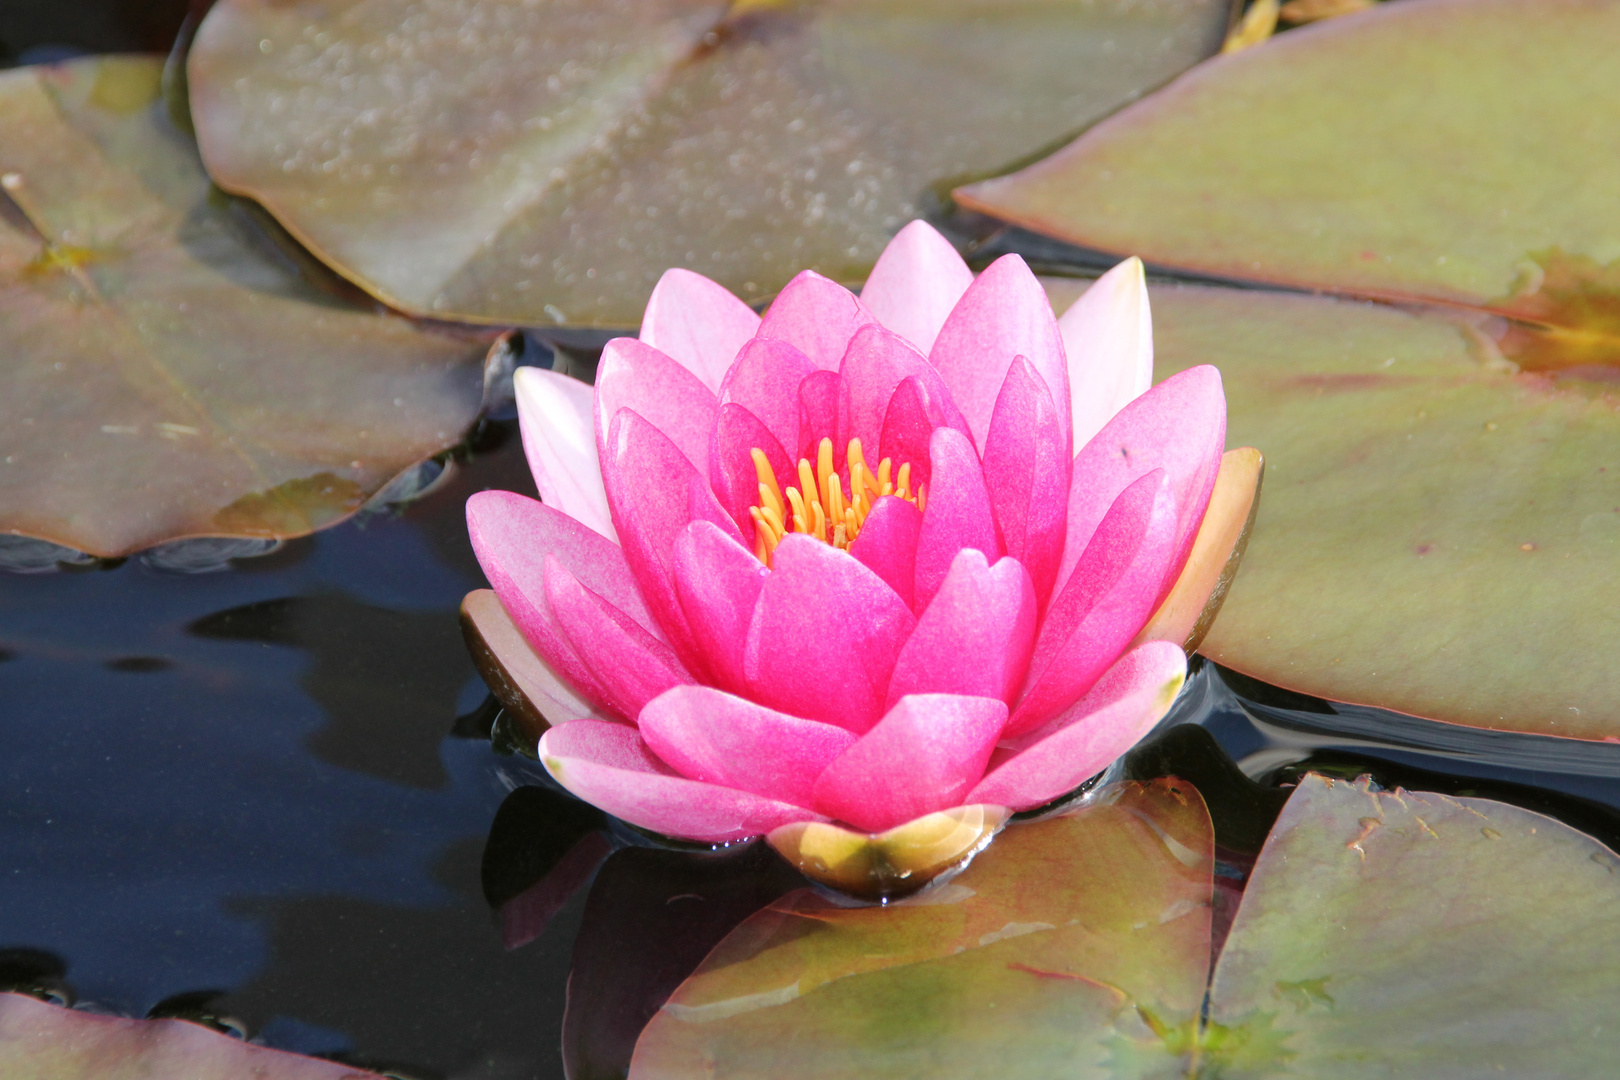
1411	934
39	1041
544	163
1439	534
167	374
989	972
1442	150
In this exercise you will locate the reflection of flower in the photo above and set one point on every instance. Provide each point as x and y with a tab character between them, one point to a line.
842	563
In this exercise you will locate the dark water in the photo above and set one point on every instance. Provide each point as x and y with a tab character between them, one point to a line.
265	793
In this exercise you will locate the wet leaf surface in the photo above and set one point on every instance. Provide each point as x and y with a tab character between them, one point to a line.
984	973
1441	150
1438	534
544	163
40	1041
1410	934
168	372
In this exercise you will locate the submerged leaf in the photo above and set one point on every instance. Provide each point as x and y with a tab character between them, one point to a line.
544	163
166	373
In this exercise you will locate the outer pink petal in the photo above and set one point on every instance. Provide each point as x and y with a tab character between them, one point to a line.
975	637
717	582
1124	706
917	281
825	636
654	492
765	381
512	535
555	416
1178	426
924	755
818	415
1026	468
698	323
738	432
609	766
1116	585
887	545
816	315
635	376
718	738
1003	314
631	665
875	364
957	513
917	407
1108	336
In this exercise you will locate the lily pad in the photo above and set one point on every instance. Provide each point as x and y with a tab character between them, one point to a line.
1439	533
1380	933
39	1041
988	973
544	163
168	373
1442	150
1409	934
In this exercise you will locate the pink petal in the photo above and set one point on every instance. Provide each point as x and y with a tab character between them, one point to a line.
1108	336
512	536
875	364
917	281
765	381
631	665
1178	426
1026	469
654	492
887	545
697	323
1003	314
917	407
718	738
1126	703
635	376
957	513
818	414
609	766
924	755
556	418
825	635
717	582
1116	585
975	637
816	315
738	432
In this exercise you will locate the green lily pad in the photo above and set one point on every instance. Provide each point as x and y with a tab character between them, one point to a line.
39	1041
1444	150
1380	933
1027	964
167	372
544	163
1438	534
1409	934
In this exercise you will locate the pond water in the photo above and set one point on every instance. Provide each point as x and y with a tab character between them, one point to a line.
265	794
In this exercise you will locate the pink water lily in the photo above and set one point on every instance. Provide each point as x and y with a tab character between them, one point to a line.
843	562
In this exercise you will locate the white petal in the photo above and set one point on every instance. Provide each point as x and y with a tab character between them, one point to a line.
1108	337
559	438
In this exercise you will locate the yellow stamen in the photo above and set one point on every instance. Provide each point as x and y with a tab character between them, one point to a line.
769	493
902	483
819	506
801	516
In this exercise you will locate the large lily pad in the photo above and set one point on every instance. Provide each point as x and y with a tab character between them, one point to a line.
1028	964
1448	150
1388	934
544	163
167	373
1439	534
39	1041
1408	934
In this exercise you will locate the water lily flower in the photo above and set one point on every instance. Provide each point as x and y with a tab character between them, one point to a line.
864	559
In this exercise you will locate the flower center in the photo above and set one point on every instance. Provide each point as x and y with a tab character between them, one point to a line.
818	506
